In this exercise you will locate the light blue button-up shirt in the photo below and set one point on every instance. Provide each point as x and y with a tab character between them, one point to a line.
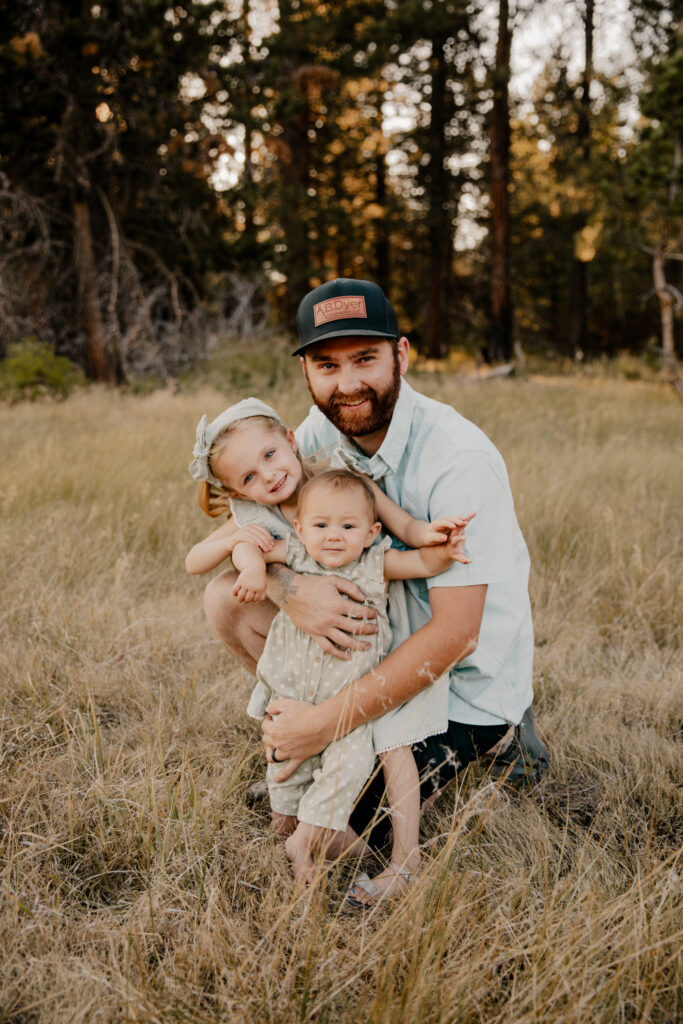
433	463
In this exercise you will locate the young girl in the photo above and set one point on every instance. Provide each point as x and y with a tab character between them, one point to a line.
327	525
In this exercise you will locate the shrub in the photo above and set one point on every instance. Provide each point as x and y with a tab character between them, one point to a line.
31	369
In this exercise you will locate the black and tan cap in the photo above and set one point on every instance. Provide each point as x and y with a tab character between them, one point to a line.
344	308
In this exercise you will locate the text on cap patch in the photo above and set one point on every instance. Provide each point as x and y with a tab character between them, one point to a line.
342	308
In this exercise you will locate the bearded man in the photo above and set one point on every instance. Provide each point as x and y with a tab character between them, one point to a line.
473	621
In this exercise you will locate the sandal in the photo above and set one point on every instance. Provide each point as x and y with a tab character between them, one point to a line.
371	889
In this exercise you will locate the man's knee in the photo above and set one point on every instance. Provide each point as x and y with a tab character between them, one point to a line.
219	603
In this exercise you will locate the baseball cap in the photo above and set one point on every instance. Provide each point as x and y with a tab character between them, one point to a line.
344	308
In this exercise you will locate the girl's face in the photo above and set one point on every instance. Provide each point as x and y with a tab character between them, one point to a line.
259	463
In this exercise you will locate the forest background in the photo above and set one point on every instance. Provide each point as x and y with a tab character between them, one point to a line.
170	174
172	180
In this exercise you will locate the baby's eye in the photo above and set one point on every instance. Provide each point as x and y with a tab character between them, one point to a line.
321	526
348	526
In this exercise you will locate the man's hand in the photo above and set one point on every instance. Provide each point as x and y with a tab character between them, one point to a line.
296	731
320	606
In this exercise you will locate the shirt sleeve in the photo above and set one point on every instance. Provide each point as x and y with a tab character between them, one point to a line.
471	484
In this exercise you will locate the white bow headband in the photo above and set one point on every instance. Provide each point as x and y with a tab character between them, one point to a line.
208	432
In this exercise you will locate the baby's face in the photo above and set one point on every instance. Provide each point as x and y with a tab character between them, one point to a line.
259	463
335	526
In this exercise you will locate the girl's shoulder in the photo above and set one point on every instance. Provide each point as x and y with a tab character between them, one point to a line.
269	516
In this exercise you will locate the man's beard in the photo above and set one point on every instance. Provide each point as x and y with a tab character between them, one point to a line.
369	420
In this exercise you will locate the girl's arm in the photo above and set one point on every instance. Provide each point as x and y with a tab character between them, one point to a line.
414	532
215	548
424	562
251	561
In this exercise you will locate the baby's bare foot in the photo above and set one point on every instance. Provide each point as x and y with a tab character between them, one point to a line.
303	867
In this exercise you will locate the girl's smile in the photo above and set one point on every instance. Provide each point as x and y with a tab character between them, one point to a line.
260	463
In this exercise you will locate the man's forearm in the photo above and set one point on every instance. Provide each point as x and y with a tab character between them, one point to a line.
415	665
282	583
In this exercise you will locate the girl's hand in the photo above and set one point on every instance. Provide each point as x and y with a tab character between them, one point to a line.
253	534
440	531
250	585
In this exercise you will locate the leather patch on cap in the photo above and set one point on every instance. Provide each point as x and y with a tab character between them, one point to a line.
344	307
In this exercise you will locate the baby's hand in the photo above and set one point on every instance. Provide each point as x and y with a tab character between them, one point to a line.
455	544
253	534
441	530
250	585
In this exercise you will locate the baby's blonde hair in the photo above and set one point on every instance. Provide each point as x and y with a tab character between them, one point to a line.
214	500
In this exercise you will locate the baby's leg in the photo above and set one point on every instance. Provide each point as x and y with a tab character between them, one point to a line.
284	824
300	847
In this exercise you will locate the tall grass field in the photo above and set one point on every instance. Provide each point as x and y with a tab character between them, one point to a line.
139	884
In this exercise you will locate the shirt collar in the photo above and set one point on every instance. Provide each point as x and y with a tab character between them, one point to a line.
388	456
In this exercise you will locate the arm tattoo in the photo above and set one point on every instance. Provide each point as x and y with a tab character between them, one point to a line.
281	583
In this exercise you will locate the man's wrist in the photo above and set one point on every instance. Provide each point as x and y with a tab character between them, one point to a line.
282	583
327	722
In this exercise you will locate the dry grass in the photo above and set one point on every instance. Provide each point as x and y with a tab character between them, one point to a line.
137	883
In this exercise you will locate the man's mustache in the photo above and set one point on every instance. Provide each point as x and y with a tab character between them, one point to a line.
338	399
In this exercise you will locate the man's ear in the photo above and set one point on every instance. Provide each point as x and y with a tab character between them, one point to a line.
372	533
403	349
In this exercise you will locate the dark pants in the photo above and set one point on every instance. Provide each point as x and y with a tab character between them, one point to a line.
438	760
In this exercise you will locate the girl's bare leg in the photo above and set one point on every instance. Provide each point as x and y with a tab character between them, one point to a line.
403	792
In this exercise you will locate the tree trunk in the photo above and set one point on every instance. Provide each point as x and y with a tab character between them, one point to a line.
440	228
501	295
666	300
382	246
295	169
89	315
577	324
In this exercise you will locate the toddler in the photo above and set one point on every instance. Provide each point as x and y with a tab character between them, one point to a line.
324	526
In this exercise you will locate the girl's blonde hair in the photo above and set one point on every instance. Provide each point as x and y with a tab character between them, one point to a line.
214	499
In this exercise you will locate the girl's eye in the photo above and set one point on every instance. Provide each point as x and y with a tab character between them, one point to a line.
270	453
248	478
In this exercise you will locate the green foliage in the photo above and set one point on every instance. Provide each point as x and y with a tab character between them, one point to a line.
32	370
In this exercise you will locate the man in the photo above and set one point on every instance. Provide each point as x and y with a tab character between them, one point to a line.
473	621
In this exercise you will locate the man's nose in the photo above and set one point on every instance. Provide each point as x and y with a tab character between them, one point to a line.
349	382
